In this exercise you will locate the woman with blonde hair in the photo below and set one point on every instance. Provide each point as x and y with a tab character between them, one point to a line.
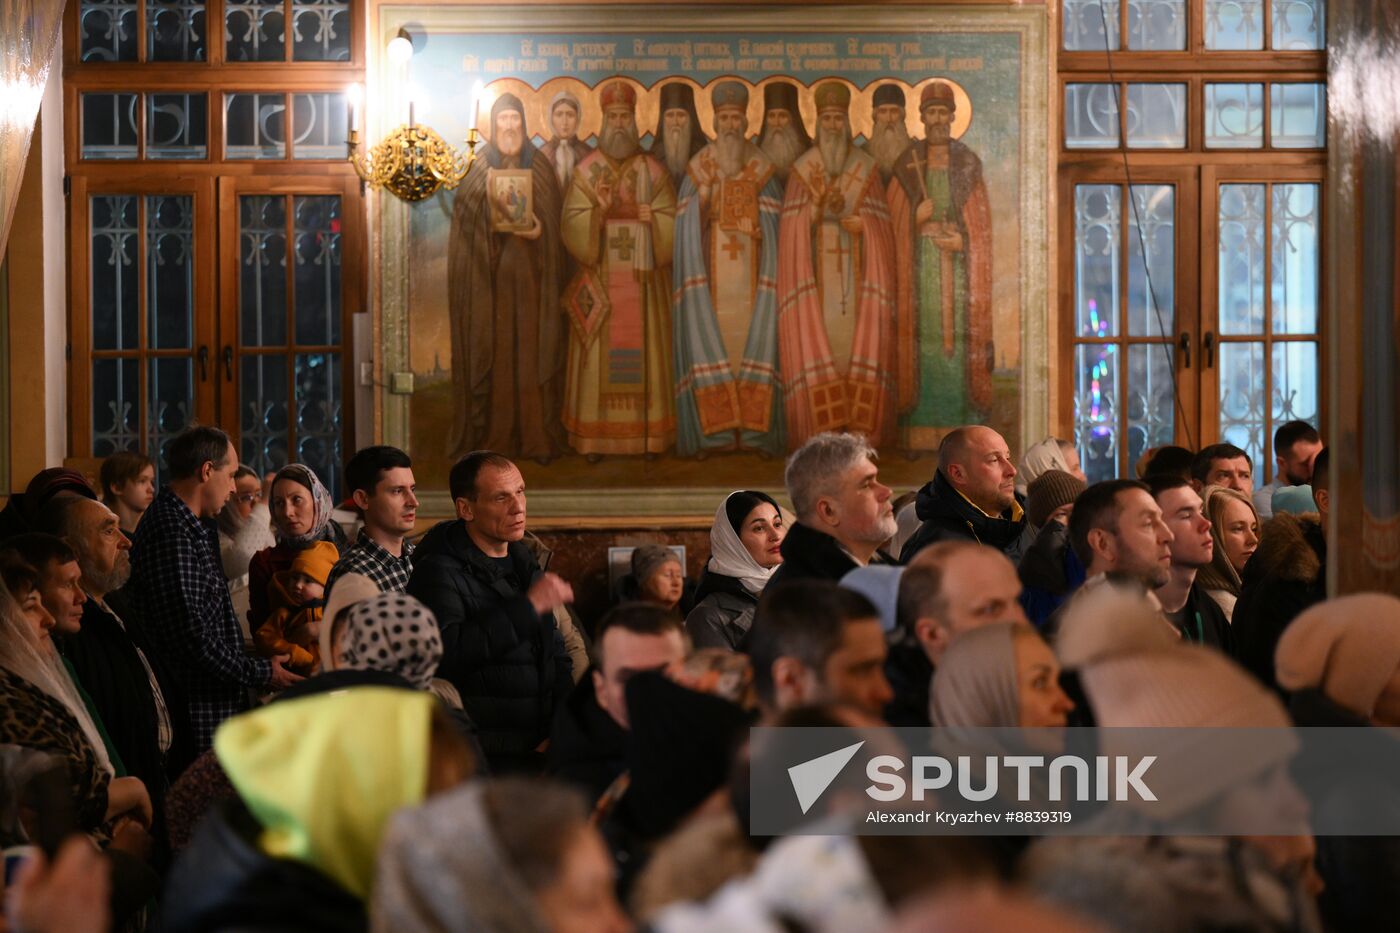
1234	527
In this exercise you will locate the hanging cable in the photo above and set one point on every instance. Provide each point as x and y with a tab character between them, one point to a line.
1120	103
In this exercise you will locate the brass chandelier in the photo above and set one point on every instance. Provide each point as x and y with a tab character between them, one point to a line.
413	161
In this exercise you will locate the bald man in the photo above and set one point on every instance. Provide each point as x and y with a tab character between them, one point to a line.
948	589
972	496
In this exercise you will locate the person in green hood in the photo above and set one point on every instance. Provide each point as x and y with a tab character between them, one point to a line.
317	780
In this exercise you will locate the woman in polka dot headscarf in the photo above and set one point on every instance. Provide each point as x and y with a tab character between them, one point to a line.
389	632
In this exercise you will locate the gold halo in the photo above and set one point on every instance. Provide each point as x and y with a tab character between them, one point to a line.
536	102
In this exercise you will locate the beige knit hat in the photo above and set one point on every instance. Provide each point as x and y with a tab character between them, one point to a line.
1158	696
1105	620
1349	648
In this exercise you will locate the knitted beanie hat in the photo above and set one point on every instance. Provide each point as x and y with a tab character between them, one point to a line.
650	558
1349	648
316	561
1048	491
1157	696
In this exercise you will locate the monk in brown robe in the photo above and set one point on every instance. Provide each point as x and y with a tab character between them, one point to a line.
508	333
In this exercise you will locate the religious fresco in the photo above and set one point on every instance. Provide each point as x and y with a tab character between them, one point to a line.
681	252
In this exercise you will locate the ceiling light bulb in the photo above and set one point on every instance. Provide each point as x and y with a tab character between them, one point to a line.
400	49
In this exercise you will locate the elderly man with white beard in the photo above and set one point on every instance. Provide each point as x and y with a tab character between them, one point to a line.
784	137
836	285
503	292
619	223
678	136
889	134
726	261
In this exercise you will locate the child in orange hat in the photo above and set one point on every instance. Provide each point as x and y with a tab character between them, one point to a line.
297	598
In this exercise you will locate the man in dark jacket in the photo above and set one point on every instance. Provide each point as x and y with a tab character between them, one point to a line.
972	496
1185	603
1287	574
501	648
137	708
843	511
588	746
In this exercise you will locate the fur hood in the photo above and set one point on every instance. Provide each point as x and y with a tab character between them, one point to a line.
1290	548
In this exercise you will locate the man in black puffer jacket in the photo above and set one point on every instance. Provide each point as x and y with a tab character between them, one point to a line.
1287	574
501	647
972	496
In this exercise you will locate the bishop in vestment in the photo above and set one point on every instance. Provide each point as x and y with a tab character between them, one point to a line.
726	266
619	224
836	286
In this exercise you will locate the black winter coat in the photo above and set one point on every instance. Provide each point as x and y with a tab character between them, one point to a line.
948	516
811	555
105	658
1203	622
223	881
1286	575
910	674
1362	873
507	662
587	748
1049	573
723	613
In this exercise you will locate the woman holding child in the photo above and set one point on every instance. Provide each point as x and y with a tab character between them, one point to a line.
301	520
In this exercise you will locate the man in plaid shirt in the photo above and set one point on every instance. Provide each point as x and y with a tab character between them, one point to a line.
381	484
182	597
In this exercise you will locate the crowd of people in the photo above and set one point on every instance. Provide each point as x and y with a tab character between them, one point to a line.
234	703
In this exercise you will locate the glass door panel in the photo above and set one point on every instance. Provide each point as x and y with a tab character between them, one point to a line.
144	271
1125	315
287	307
1267	295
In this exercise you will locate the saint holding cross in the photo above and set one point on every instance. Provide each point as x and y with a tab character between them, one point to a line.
618	224
836	285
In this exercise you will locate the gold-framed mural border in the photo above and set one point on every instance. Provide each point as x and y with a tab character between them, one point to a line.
389	221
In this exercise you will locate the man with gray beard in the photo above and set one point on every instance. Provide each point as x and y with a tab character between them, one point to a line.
836	285
889	134
619	224
678	136
784	137
503	292
726	261
105	652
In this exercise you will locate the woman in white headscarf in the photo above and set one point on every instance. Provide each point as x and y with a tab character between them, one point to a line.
1050	454
301	509
745	542
40	708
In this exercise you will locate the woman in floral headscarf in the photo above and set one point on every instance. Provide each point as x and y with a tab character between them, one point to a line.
301	515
